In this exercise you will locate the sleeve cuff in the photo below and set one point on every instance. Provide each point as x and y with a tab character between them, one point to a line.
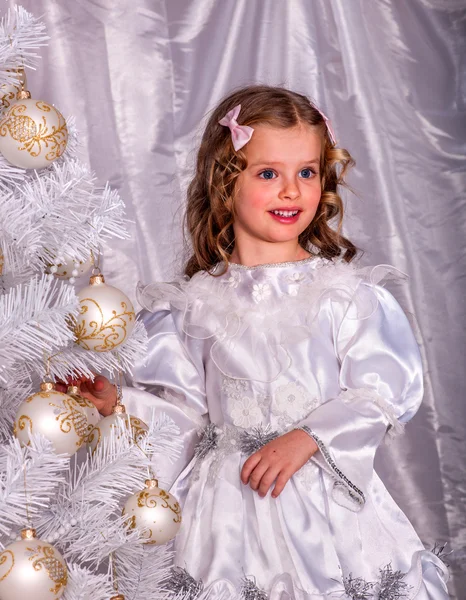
345	492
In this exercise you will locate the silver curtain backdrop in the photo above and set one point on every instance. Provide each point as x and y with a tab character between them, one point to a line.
140	78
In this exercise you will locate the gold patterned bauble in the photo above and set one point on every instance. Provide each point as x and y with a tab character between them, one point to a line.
32	569
32	134
155	511
105	426
89	409
106	316
71	268
55	415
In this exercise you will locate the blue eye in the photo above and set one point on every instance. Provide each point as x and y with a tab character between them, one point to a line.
307	173
267	174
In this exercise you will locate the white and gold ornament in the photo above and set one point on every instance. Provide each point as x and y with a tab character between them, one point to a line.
155	511
108	424
55	415
32	569
69	268
89	409
9	92
32	133
106	316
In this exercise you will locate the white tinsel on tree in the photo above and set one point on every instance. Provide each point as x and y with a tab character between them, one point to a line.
48	216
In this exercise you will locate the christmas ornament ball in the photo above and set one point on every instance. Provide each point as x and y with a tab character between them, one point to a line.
73	268
105	426
156	511
106	316
32	568
32	133
89	409
57	416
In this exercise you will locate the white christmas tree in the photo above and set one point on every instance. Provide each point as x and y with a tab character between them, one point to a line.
54	219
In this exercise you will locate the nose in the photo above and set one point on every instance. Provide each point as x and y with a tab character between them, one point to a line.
290	190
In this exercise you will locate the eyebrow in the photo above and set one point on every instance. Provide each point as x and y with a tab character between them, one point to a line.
314	161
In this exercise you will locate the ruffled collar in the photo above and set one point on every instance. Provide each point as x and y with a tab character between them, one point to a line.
265	308
263	283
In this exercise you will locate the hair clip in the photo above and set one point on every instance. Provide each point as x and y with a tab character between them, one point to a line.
327	124
240	134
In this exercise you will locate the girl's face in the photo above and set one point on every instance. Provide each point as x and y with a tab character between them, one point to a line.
279	191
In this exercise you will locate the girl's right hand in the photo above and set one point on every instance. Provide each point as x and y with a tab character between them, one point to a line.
100	392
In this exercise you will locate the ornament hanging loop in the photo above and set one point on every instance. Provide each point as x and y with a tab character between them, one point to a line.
23	95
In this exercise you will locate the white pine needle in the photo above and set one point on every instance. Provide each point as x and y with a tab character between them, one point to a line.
142	570
83	584
10	176
21	35
60	211
36	469
34	321
18	388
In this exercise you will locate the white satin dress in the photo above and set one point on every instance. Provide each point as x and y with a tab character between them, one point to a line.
238	359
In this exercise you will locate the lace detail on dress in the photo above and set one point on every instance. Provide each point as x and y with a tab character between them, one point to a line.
294	281
261	292
291	404
246	412
233	280
245	408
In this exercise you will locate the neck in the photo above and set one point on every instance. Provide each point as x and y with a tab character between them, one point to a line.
253	254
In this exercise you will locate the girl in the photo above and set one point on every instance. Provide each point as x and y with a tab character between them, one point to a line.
284	366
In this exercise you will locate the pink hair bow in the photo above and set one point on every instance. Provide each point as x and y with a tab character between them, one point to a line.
240	134
328	125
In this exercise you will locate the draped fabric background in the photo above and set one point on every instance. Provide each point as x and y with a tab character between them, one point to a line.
140	77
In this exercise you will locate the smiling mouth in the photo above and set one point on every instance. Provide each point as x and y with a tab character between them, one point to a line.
285	213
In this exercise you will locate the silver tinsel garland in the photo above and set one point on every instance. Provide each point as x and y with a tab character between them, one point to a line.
391	585
438	550
249	441
208	441
250	591
254	440
359	588
181	582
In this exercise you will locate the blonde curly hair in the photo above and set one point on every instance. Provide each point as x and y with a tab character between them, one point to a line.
210	213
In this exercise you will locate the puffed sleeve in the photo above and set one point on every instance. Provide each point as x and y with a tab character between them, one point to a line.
382	388
172	381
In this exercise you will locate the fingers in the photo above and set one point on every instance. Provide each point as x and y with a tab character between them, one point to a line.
102	387
266	481
255	479
263	474
249	466
282	480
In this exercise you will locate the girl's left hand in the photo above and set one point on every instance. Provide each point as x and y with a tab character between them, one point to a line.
278	461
